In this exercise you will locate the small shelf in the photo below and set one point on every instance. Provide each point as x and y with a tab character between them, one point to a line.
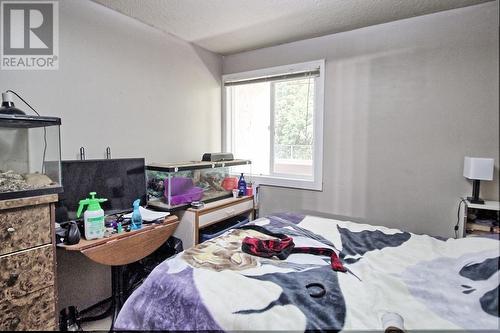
193	220
481	220
488	205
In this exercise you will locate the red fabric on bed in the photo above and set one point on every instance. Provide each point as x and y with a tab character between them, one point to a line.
283	246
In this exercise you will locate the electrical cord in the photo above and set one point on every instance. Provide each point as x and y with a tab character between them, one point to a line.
462	201
44	129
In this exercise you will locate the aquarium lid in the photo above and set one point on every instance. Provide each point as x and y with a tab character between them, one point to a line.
26	121
194	165
30	193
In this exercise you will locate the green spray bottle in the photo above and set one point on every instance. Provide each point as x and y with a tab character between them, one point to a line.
93	218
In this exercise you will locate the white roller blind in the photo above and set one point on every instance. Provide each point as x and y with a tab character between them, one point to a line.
285	76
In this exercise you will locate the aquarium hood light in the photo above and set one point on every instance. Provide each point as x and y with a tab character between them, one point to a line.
8	106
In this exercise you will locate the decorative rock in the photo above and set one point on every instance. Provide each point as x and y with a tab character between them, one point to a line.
38	180
12	181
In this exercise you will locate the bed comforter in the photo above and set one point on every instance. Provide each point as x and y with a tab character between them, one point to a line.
430	283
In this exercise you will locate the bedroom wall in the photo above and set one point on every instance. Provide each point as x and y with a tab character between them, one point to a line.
404	103
125	85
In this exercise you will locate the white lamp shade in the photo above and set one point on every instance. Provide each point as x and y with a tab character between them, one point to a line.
478	168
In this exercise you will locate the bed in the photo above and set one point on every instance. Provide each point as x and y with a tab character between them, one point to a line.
428	283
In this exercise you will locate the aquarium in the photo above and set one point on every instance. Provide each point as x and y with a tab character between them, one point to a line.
174	186
30	156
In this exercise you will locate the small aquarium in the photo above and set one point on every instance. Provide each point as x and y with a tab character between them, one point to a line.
174	186
30	156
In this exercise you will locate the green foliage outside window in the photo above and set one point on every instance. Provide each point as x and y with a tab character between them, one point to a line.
293	107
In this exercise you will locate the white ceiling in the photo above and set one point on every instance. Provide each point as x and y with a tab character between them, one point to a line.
231	26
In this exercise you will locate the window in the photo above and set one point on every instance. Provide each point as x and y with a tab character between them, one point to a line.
274	117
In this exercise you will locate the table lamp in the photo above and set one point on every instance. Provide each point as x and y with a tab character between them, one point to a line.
477	169
8	106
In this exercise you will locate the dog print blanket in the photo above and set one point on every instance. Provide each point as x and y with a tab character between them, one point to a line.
428	283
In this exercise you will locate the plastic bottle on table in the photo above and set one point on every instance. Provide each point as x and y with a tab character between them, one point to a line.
242	186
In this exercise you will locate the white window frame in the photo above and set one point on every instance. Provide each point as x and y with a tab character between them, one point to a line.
316	183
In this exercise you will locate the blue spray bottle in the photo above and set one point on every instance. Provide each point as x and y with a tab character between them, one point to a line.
136	221
242	186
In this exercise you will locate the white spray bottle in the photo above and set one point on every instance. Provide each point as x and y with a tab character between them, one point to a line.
93	218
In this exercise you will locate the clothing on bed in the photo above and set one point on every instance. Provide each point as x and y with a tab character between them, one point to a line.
431	284
282	246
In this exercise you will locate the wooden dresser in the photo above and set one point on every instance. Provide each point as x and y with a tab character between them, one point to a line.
27	264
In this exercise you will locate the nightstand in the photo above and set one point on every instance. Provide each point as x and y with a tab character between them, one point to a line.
192	220
470	214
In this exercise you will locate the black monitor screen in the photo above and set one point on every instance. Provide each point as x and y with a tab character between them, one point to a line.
121	181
